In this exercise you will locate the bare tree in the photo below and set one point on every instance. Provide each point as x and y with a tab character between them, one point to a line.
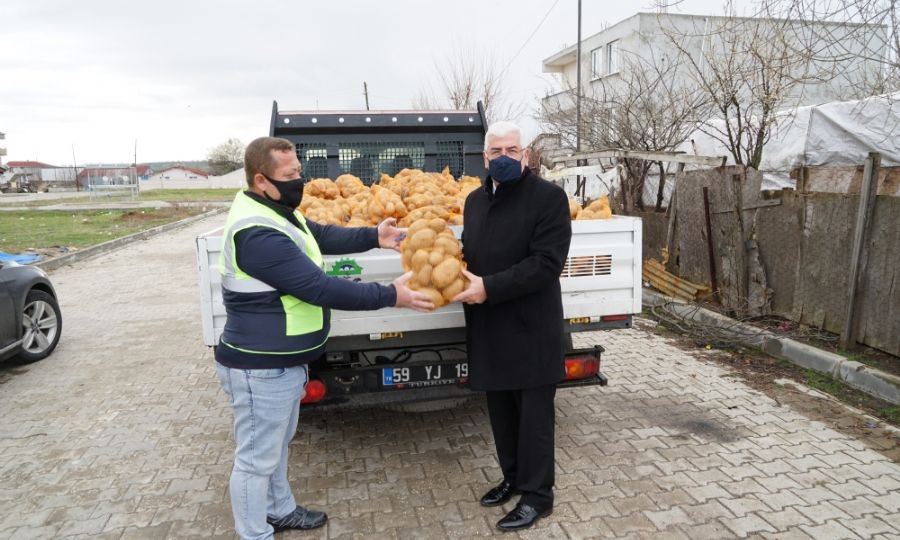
645	107
751	68
226	157
836	33
466	77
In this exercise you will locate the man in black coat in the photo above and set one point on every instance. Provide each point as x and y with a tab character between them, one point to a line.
515	242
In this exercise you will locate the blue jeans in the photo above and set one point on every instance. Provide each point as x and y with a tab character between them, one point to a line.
266	404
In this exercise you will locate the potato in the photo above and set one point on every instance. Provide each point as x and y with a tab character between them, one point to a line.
422	239
423	276
449	245
418	259
453	289
436	296
445	273
435	257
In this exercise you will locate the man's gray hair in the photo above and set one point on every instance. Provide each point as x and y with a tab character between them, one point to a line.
501	129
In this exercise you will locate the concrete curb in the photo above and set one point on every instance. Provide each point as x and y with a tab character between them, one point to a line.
106	247
864	378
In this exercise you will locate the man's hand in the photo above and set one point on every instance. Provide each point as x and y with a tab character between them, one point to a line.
389	236
474	293
409	298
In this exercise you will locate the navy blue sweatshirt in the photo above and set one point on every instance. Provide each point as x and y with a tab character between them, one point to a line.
275	259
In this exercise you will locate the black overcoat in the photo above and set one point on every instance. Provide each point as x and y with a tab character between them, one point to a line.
517	239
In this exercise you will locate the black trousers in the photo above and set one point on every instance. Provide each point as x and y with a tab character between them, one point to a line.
523	423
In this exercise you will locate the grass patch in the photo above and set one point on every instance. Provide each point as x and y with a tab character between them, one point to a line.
35	230
165	195
892	414
188	195
829	385
824	383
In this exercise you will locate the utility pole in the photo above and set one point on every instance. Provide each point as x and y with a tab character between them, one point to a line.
579	187
75	167
366	93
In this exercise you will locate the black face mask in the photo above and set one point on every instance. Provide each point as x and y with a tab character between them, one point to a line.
291	191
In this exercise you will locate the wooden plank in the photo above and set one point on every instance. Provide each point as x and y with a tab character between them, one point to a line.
859	253
672	210
708	161
573	171
878	297
754	206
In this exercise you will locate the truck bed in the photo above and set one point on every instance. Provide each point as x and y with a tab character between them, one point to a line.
601	278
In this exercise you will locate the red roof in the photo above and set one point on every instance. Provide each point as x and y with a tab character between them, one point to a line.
29	165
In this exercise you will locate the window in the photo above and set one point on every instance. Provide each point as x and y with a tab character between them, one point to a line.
612	57
597	63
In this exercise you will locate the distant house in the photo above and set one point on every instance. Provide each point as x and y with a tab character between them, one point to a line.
31	168
179	173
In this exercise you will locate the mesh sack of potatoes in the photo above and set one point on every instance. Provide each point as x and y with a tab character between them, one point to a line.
574	208
321	188
359	209
434	255
384	204
425	213
326	212
397	183
598	209
349	185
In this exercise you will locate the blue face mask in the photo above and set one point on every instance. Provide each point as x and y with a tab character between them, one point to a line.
504	169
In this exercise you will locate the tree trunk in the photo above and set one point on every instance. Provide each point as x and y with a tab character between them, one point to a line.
661	192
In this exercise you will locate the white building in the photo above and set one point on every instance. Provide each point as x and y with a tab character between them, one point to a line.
182	180
648	38
179	173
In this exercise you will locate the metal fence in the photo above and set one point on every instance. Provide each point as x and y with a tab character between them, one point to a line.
114	183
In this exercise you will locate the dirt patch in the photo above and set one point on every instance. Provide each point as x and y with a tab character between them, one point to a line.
136	216
827	341
760	371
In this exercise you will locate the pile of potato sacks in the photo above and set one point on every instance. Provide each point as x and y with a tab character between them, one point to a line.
425	203
408	196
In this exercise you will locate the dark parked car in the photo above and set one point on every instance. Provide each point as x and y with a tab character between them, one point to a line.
30	320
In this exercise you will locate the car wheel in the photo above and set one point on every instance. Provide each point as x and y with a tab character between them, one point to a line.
41	326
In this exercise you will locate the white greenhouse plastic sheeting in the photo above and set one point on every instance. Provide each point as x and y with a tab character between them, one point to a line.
839	133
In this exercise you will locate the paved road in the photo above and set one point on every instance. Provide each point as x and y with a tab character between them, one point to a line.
124	433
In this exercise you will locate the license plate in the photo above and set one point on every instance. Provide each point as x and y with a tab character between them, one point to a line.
419	376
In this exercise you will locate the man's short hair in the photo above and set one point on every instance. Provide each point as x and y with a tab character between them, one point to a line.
501	129
258	156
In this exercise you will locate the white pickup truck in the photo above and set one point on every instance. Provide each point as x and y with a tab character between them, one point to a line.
396	355
395	349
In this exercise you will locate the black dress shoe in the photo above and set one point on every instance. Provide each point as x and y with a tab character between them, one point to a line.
522	517
499	494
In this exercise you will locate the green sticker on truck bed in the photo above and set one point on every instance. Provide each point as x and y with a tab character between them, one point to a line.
346	268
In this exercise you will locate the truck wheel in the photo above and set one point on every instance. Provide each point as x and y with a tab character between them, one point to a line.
41	326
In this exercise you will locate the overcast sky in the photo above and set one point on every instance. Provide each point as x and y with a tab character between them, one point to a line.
182	76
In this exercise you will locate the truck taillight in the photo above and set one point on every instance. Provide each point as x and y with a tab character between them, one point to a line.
315	391
610	318
581	367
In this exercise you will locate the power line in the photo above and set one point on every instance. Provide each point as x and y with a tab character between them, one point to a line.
533	32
